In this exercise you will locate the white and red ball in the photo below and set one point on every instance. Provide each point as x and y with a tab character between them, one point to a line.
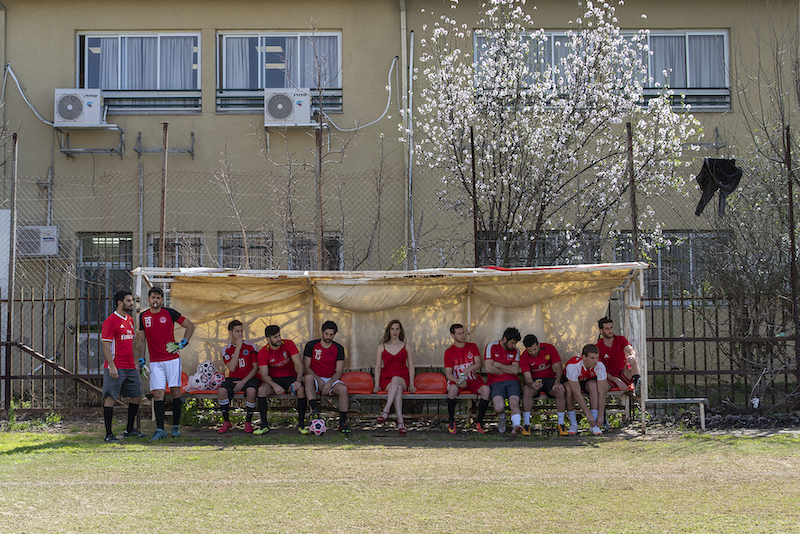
318	427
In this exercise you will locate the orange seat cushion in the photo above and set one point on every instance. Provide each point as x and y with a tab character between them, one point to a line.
430	383
358	382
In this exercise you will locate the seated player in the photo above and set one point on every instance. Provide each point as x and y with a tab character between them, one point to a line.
281	369
240	358
618	356
541	369
324	366
586	373
502	367
462	361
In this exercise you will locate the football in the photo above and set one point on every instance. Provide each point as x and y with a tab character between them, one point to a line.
195	382
318	427
207	368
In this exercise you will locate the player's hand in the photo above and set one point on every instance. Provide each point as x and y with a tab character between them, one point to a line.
537	384
238	385
172	347
296	385
326	389
279	390
112	371
592	421
376	389
412	389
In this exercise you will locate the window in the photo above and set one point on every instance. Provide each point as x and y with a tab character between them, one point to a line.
524	249
248	63
231	250
146	71
181	250
676	267
104	267
303	253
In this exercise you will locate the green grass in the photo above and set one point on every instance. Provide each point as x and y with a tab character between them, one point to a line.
375	483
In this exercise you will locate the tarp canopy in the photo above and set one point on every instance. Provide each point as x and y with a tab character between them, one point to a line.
560	305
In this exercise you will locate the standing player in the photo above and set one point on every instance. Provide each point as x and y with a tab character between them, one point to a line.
618	356
281	369
502	366
157	325
462	361
586	373
324	366
541	370
240	358
120	376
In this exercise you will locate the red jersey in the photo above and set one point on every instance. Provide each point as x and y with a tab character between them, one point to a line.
613	357
119	331
576	372
322	360
495	351
540	366
461	358
279	361
159	329
247	357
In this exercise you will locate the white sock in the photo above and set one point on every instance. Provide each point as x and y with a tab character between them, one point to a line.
516	419
560	417
594	414
502	417
572	418
526	418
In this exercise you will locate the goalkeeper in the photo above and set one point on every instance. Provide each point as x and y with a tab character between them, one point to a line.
157	325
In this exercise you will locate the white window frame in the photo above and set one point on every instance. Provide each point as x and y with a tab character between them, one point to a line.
126	101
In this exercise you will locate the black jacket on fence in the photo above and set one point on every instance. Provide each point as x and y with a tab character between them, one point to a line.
717	173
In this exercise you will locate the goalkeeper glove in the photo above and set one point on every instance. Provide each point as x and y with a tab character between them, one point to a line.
173	347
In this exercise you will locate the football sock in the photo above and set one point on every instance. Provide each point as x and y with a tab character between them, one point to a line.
301	412
483	405
594	414
177	405
342	418
451	410
560	417
635	379
161	408
516	419
572	418
251	408
314	405
108	412
526	418
133	409
262	409
225	406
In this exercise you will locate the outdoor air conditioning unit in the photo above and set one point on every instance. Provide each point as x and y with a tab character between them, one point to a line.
287	107
78	108
35	241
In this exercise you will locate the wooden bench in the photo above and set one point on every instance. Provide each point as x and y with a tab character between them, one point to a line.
701	402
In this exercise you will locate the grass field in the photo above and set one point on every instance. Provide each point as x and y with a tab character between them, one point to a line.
71	482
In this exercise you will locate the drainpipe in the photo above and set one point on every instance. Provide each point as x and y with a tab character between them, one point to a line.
404	92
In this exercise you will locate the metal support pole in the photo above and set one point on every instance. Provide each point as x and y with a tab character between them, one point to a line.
12	263
634	212
318	226
162	249
474	198
793	246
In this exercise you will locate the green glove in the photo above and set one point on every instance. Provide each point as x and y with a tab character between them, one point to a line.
172	347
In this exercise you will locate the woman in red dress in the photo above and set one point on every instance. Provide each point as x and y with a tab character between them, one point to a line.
394	371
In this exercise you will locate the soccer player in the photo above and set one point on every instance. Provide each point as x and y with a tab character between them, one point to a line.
586	373
157	325
541	371
120	376
240	357
324	366
394	371
462	361
281	370
618	356
502	366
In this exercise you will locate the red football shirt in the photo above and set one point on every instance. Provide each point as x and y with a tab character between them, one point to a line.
159	329
461	358
495	351
575	370
613	357
119	331
247	356
540	366
322	360
279	361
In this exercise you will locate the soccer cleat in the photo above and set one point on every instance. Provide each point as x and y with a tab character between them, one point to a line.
526	430
260	431
314	415
135	433
479	428
160	433
225	427
111	438
451	428
573	429
516	430
501	424
176	431
596	431
344	429
303	430
561	430
248	427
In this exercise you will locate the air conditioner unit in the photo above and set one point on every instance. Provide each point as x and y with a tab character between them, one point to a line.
90	353
78	108
37	241
286	107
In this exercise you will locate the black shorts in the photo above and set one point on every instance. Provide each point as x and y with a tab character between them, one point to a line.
547	385
127	384
286	382
584	382
231	382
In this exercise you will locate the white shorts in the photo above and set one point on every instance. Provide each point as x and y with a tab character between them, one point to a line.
163	374
325	381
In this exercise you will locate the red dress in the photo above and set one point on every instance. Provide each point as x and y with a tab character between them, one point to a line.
394	365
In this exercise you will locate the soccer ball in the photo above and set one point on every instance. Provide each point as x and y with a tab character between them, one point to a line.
196	382
207	368
318	427
215	382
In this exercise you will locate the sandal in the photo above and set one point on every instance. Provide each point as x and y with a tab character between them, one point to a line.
401	427
383	417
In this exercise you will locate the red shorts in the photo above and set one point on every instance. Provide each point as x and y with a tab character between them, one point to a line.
622	377
472	385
